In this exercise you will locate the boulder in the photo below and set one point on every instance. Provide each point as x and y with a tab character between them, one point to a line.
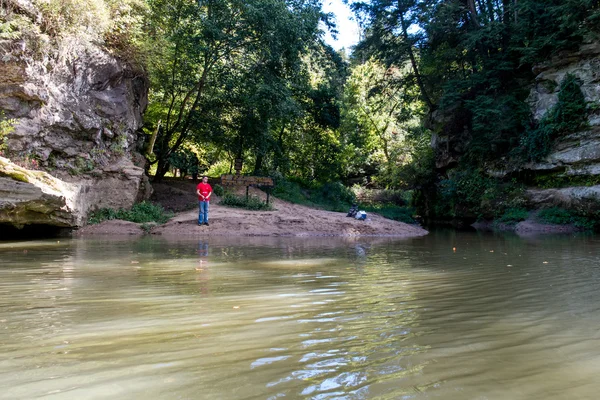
34	198
29	197
585	199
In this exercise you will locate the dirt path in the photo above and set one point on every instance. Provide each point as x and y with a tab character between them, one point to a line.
285	220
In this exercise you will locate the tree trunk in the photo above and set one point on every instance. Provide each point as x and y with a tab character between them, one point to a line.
413	59
473	11
258	164
150	147
162	167
506	23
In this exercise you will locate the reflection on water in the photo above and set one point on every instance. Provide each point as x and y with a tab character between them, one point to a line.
449	316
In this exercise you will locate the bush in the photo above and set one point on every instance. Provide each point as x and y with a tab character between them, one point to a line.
560	216
381	196
336	192
143	212
289	191
472	193
332	196
251	203
514	215
6	127
391	211
465	192
218	190
103	214
568	116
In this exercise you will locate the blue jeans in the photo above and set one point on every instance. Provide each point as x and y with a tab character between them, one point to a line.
203	214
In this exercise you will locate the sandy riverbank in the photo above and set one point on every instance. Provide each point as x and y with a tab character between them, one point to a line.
285	220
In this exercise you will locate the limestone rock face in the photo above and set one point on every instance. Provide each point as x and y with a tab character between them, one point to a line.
76	110
576	155
579	153
584	64
34	197
585	199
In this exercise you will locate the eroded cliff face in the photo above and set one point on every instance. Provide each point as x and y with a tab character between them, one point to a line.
575	157
571	172
75	110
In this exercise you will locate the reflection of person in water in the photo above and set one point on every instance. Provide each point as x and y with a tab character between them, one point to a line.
360	252
203	249
202	276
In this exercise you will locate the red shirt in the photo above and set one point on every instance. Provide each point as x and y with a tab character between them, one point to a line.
205	190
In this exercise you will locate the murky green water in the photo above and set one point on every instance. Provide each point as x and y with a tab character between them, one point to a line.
499	317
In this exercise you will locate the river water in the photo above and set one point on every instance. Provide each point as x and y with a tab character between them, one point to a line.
447	316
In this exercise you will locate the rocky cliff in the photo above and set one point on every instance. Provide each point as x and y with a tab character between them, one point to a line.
573	166
569	176
71	109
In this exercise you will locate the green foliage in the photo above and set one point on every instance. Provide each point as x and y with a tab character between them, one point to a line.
465	190
119	22
472	193
472	67
220	167
560	180
143	212
103	214
493	135
336	197
229	73
62	17
567	116
218	190
392	211
513	215
336	193
560	216
13	26
185	161
378	114
147	227
6	127
332	196
381	196
251	203
290	191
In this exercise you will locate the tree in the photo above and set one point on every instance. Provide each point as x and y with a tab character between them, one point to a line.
389	37
198	43
379	111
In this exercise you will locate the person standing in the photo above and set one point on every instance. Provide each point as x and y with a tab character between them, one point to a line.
204	190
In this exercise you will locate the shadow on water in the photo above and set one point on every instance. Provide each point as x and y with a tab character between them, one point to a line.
28	232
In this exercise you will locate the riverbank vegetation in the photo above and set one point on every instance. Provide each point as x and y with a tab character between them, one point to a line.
141	213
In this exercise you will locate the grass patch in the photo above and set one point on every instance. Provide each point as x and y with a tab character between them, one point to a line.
560	216
141	213
513	215
251	203
392	211
332	196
